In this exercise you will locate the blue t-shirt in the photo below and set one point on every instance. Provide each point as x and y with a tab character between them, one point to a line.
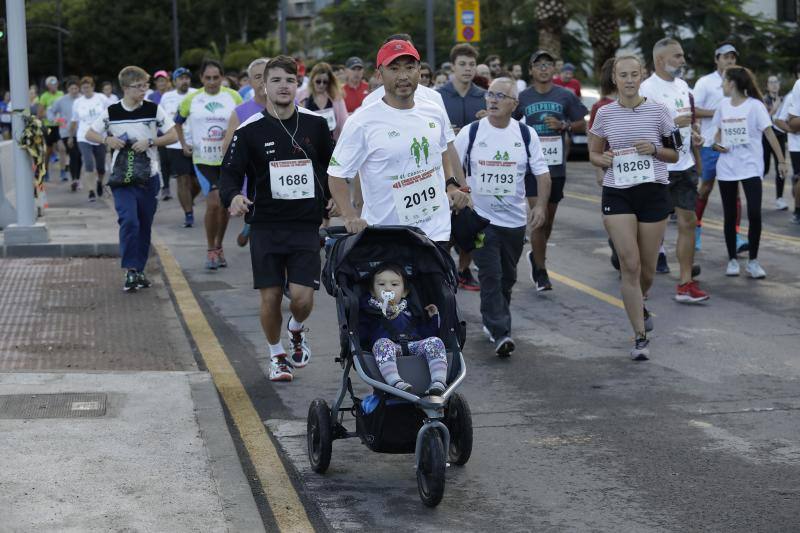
557	102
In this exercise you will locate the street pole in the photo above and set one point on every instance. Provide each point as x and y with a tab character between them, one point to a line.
60	45
282	25
176	39
26	230
430	41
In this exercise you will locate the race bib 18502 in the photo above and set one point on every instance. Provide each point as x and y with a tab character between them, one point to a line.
734	132
292	179
630	168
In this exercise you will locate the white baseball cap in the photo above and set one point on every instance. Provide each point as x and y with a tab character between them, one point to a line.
724	49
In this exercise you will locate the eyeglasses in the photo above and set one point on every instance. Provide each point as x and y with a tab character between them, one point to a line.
140	86
321	82
500	97
543	65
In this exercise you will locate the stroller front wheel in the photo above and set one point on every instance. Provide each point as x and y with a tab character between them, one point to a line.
458	420
319	436
431	469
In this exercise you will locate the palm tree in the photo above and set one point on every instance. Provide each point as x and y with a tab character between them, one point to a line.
552	16
603	25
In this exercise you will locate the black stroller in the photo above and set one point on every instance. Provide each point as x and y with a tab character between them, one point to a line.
390	420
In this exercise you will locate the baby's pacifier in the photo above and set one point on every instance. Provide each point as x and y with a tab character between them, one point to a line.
386	297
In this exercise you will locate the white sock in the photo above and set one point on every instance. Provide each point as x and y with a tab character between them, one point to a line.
294	325
662	250
276	349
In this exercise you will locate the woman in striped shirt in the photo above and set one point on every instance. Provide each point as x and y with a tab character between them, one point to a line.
636	201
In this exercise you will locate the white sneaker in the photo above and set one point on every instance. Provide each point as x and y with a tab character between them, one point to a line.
280	369
488	334
733	268
781	205
300	353
505	347
755	270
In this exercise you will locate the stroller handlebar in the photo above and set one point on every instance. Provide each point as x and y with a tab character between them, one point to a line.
333	231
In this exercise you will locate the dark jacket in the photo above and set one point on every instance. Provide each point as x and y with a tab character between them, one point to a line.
372	325
462	110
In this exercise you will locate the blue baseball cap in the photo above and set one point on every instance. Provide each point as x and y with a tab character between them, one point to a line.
180	71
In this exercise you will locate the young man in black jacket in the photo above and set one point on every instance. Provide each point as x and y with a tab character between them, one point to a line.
284	151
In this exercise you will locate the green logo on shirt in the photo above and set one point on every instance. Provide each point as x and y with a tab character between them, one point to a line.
503	157
334	162
418	149
213	106
432	125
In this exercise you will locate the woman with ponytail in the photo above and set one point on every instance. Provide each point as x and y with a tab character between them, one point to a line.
740	121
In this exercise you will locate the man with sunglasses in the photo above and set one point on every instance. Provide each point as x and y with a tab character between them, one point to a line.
502	157
553	112
207	112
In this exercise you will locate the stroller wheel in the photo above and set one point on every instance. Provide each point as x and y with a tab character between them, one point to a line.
319	436
430	473
458	420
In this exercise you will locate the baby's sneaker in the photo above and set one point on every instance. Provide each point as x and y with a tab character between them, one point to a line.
403	386
437	388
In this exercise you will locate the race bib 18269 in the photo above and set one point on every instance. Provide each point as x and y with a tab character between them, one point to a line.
630	168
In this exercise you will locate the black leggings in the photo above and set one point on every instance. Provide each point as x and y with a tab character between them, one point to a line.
752	191
770	155
75	161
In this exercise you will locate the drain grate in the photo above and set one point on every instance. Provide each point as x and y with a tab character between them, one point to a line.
64	405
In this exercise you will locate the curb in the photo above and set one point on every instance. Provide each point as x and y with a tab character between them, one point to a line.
102	249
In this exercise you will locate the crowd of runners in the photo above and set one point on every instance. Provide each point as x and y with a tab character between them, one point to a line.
470	145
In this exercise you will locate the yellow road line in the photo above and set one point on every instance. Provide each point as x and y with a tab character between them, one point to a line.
283	500
607	298
707	221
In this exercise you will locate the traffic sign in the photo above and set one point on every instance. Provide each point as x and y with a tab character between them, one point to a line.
468	21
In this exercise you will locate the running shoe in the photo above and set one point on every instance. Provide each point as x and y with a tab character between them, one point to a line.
437	388
614	256
221	258
542	280
280	369
698	233
648	320
165	195
733	268
781	205
244	236
131	279
796	218
691	293
212	261
467	281
142	282
188	220
301	353
73	186
741	244
662	267
99	188
488	334
754	269
92	196
505	347
641	349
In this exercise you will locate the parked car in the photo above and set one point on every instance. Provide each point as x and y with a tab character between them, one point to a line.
579	147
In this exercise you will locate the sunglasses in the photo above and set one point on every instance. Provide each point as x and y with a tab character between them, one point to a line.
321	82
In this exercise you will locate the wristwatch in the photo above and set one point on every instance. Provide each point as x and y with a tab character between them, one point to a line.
566	125
150	143
451	181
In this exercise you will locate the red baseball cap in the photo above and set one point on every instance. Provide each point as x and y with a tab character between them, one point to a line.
394	49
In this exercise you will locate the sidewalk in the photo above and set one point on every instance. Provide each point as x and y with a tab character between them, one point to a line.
106	422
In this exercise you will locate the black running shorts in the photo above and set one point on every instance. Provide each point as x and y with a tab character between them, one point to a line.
556	188
179	164
683	188
211	175
279	254
650	202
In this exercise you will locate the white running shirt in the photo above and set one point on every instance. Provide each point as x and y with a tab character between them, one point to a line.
422	93
674	95
743	161
398	156
494	146
708	95
170	101
85	111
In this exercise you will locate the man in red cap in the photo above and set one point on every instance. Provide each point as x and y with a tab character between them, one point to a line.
396	144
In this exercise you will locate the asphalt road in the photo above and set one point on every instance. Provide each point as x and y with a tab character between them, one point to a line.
570	435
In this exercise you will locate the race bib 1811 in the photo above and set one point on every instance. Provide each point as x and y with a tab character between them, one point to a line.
630	168
292	179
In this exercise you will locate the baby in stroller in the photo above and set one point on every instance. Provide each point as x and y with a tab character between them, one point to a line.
388	325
